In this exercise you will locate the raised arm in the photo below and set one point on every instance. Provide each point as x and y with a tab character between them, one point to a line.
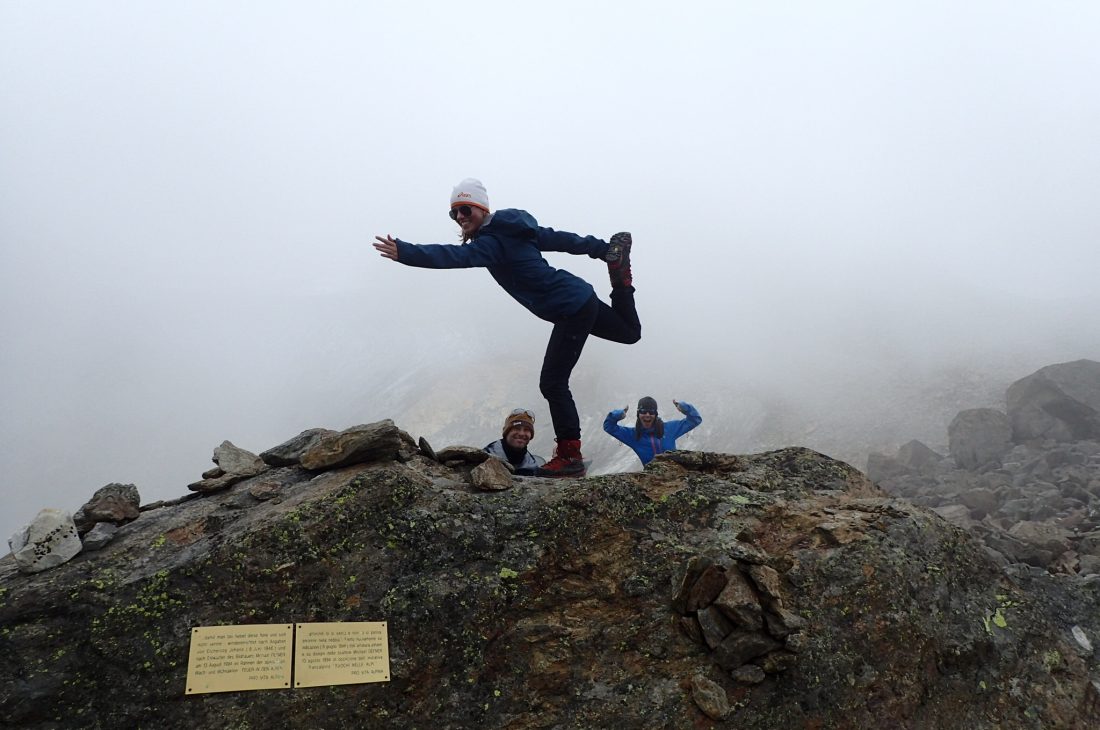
611	425
684	425
551	240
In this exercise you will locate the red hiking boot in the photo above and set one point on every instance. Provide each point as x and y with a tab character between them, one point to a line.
618	260
567	461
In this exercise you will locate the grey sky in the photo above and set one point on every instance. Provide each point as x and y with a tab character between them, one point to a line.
188	192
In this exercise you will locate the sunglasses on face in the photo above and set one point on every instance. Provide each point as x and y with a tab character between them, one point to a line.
646	412
463	209
523	412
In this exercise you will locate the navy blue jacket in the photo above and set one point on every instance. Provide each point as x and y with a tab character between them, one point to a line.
649	445
510	246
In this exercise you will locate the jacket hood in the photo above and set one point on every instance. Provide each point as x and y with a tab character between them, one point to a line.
511	221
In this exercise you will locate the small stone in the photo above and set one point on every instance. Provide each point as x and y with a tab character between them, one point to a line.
1089	565
706	588
980	501
746	535
1082	639
782	622
214	473
217	484
237	461
692	571
48	541
691	629
99	536
742	646
767	580
1042	535
462	455
745	552
355	445
715	626
795	642
426	449
117	503
289	452
740	603
709	697
491	476
748	674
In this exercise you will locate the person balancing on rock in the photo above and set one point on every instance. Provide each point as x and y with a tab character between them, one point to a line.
509	243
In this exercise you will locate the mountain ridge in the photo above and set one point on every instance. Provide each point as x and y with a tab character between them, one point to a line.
598	602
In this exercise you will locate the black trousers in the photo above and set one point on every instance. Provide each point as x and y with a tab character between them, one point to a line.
617	323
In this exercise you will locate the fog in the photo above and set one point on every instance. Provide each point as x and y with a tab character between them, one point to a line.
826	199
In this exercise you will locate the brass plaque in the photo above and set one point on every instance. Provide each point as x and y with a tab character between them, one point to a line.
234	658
341	653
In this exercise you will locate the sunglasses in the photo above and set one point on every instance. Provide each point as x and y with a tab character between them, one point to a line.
463	209
523	412
646	412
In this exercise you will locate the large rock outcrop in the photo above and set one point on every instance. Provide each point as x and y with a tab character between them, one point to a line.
979	436
1059	402
773	590
1027	485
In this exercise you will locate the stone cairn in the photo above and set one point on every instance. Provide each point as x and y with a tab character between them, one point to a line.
734	607
55	536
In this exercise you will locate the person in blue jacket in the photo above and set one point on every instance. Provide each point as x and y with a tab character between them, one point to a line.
650	435
509	243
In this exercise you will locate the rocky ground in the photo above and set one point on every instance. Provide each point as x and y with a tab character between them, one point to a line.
1025	481
781	589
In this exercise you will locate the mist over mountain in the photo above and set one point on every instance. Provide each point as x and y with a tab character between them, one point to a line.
849	223
756	391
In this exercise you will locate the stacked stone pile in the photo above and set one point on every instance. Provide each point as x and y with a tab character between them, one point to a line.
56	536
735	608
1026	481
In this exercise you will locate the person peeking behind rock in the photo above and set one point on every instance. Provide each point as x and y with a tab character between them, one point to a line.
519	429
650	435
510	243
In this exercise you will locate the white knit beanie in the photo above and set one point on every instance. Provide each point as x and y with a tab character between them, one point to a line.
470	192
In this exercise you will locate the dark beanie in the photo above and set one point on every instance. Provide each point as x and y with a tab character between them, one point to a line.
647	404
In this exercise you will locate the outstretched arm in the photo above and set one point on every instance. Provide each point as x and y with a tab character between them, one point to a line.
551	240
485	251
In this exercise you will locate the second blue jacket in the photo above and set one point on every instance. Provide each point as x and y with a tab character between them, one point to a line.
649	445
510	246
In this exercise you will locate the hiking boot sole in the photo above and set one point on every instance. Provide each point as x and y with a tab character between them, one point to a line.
618	249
